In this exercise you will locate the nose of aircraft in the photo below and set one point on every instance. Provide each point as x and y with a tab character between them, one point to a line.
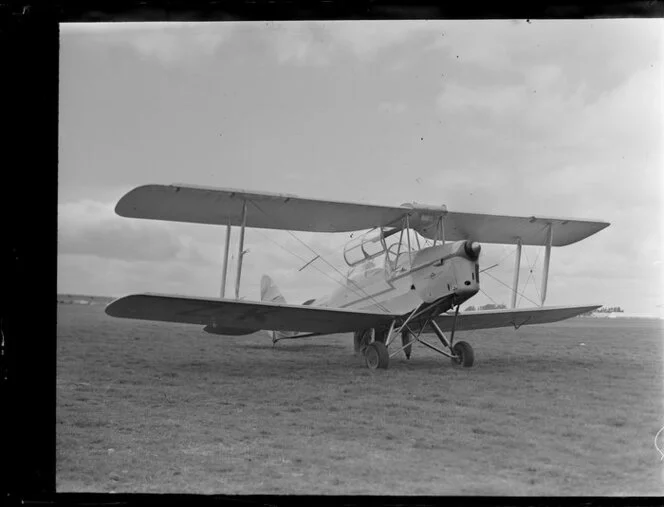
472	249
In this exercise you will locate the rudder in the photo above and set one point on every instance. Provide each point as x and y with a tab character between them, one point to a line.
270	291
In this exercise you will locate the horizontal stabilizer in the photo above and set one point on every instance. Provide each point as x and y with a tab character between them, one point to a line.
221	206
517	317
228	331
243	317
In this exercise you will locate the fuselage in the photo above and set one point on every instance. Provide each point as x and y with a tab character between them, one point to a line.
404	282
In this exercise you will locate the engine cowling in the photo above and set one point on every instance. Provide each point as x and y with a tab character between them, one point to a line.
472	249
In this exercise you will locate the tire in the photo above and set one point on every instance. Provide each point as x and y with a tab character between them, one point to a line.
380	335
405	340
361	339
357	342
465	355
376	356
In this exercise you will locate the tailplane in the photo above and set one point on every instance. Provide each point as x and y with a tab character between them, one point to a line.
270	293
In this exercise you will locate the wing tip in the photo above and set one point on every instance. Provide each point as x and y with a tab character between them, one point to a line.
119	306
115	307
128	205
598	226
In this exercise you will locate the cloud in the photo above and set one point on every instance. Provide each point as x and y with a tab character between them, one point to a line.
564	131
365	39
95	275
392	107
92	228
169	43
298	43
317	43
577	147
559	119
504	48
96	248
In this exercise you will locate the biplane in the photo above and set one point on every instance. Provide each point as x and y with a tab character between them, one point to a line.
407	276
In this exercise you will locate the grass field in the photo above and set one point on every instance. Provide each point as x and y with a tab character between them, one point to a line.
151	407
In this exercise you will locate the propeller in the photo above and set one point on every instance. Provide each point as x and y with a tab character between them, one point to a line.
472	249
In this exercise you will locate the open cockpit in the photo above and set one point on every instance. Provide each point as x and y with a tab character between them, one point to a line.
390	249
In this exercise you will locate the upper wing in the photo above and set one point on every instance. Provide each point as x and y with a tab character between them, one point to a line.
486	319
220	206
508	229
228	316
207	205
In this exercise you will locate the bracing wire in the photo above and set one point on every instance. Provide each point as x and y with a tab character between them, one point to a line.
534	278
511	288
531	274
340	273
363	292
487	295
521	295
296	255
508	254
304	260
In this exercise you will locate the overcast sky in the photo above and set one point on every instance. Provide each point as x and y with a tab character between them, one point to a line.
557	118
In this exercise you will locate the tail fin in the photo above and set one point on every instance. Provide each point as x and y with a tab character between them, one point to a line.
270	292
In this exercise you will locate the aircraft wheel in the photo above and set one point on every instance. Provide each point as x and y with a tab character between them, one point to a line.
357	342
361	339
465	355
405	340
380	335
376	356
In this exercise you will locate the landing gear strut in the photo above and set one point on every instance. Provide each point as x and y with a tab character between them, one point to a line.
377	355
406	342
361	340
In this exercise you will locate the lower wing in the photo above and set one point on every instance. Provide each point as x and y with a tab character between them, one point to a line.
236	317
487	319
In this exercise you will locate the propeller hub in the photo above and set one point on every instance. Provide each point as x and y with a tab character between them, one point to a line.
472	249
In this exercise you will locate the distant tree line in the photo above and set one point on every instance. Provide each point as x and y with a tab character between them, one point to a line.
610	309
605	309
490	306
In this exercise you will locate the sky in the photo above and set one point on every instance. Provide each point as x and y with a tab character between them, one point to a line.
557	118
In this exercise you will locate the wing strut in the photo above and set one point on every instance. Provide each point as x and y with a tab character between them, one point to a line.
225	268
517	267
240	249
547	258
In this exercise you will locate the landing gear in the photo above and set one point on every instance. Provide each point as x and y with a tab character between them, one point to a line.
406	342
423	317
361	339
376	356
380	335
463	354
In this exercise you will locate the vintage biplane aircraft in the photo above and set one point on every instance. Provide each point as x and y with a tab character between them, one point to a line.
398	284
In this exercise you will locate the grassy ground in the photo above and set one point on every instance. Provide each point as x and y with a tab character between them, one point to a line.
151	407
